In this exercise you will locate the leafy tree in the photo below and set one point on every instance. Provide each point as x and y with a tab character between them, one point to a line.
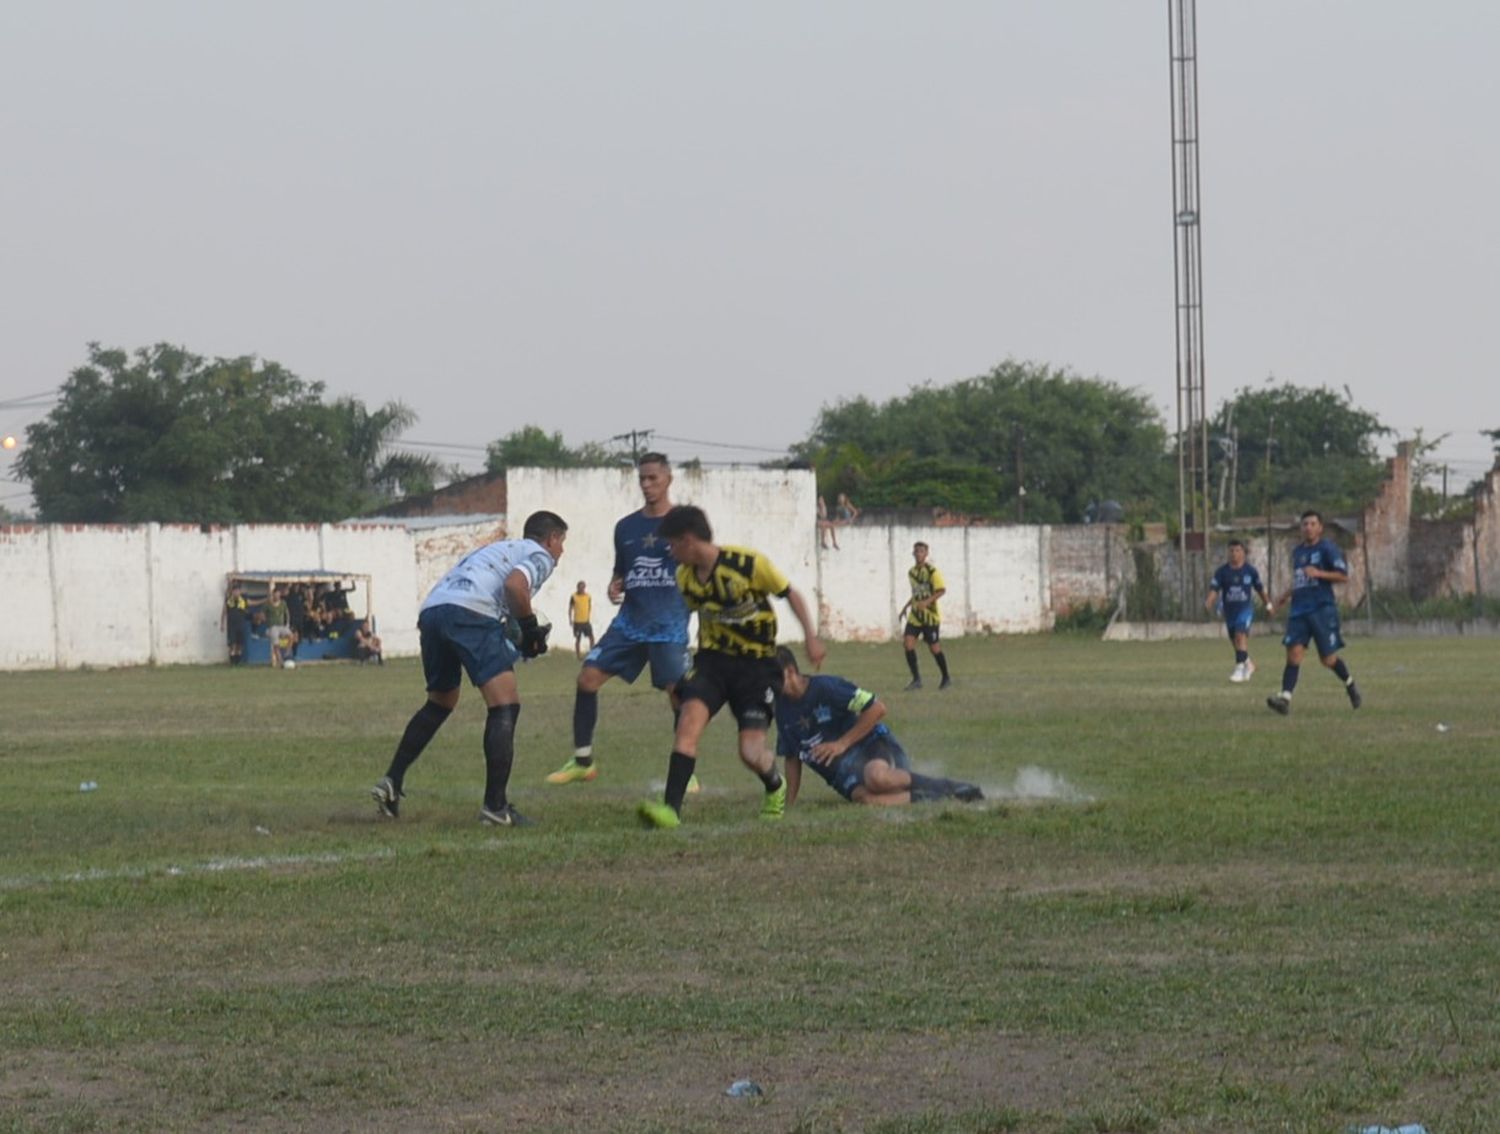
531	446
1323	449
163	434
1077	440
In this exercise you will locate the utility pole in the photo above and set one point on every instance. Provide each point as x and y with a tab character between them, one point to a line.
637	439
1445	488
1194	500
1266	503
1020	436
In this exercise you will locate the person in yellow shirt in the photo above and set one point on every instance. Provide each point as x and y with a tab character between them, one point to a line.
923	619
580	608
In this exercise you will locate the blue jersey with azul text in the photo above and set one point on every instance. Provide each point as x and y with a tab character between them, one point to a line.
1236	587
653	610
825	712
1310	594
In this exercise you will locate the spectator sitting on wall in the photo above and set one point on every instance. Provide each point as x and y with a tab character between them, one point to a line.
845	512
367	643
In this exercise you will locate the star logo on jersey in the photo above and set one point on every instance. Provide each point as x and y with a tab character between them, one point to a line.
806	722
650	540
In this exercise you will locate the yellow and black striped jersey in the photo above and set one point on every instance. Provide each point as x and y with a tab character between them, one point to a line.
926	581
734	603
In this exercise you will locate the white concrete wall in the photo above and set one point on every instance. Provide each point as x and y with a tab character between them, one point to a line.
770	511
996	577
28	637
105	595
76	595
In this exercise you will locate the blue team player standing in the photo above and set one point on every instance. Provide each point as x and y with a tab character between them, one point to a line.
838	730
652	623
1317	564
463	626
1237	583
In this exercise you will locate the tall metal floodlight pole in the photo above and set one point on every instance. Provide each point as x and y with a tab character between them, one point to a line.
1192	406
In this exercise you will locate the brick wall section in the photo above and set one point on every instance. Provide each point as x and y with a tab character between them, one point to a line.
1087	563
484	494
1385	539
1436	548
1459	578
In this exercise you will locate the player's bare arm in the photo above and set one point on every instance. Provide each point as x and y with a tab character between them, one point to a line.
815	649
792	774
1213	597
864	724
616	590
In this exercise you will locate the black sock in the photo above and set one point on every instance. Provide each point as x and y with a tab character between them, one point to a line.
585	717
1289	677
420	729
1241	657
679	771
942	660
911	660
499	753
771	779
1342	670
925	789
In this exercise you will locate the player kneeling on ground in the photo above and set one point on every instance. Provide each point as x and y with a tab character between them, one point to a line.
838	730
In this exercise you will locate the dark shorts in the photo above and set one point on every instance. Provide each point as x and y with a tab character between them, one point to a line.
619	656
456	641
1319	626
747	685
848	770
1238	622
583	630
928	634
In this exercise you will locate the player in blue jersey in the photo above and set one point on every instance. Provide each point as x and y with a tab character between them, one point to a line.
1317	564
651	626
463	624
838	730
1236	584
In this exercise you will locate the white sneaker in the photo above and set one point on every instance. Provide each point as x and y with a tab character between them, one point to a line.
1249	669
1238	674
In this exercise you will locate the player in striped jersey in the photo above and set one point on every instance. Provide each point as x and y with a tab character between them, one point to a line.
730	589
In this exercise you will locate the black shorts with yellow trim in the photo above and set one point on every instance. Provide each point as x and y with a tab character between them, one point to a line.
928	634
747	685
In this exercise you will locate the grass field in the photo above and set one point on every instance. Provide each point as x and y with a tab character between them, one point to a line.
1195	916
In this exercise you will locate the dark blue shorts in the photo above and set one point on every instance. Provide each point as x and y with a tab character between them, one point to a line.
849	769
619	656
456	641
1238	622
1319	626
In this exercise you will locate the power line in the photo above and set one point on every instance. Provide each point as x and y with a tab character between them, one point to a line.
41	398
782	452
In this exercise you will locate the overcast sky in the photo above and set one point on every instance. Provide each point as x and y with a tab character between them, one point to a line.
711	219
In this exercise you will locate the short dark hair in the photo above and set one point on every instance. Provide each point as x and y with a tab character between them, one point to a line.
1312	512
786	659
920	544
1238	543
685	519
542	526
653	458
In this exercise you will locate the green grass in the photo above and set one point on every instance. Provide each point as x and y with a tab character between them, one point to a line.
1226	920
